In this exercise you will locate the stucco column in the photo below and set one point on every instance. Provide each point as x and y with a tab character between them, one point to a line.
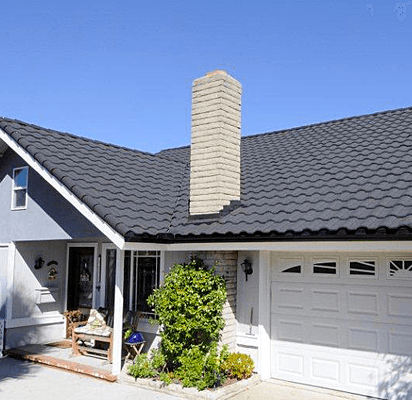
264	352
118	313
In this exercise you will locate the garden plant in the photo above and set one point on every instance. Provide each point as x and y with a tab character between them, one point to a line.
189	309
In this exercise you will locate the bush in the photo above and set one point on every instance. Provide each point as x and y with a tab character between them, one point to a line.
238	365
189	306
201	370
166	377
142	367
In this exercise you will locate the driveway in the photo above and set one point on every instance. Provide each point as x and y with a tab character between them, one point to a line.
28	381
25	380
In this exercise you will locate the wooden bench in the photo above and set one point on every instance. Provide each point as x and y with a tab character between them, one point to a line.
95	336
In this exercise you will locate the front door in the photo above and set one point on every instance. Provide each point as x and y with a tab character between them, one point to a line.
80	279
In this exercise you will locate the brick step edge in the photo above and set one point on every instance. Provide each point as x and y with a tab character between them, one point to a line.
63	364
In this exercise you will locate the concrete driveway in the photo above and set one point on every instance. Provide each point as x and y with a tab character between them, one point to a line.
28	381
25	380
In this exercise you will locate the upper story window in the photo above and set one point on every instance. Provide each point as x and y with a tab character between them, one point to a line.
19	192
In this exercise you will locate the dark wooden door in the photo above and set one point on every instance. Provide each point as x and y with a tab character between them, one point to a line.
80	280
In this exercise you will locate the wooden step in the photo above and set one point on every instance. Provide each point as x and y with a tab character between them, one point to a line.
62	364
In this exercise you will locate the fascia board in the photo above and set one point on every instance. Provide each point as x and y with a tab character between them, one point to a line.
309	246
98	222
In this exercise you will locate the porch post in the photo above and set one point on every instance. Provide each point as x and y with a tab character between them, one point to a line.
10	281
118	314
264	349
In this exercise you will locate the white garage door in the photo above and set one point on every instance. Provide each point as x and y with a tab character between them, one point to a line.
343	322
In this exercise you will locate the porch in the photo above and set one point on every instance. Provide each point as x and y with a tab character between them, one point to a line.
59	355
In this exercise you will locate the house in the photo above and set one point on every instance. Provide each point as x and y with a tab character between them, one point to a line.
320	213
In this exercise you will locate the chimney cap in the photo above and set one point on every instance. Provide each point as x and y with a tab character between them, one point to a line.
216	72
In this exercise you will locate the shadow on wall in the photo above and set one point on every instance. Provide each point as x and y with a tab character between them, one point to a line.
16	337
10	368
397	384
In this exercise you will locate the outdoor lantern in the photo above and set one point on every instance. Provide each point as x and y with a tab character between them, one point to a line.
38	263
247	267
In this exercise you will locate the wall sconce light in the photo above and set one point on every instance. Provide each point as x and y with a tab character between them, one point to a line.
247	267
38	263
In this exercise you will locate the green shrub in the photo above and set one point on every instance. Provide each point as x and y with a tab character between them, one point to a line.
201	370
166	377
238	365
158	359
142	367
189	307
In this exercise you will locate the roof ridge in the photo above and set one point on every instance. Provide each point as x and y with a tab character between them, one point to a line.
296	128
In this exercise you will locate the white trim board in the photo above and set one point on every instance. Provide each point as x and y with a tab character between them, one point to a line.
315	246
34	321
101	225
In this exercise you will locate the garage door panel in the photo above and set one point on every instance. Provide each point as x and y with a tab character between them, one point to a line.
400	305
361	375
290	330
361	302
325	334
400	341
290	297
325	368
325	300
364	339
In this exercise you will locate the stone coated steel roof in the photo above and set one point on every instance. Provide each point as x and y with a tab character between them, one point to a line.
348	175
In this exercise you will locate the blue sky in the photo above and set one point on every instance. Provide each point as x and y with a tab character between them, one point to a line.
121	71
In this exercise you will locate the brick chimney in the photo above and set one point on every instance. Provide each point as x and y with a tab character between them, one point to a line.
215	144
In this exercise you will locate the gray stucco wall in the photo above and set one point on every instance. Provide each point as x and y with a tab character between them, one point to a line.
48	215
26	279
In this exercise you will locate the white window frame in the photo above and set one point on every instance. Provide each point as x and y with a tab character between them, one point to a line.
109	246
16	188
326	259
133	293
402	258
374	276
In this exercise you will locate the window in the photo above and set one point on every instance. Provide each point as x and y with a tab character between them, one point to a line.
365	268
142	275
400	269
324	267
290	265
19	193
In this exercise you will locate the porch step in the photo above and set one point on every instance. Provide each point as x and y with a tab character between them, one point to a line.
62	364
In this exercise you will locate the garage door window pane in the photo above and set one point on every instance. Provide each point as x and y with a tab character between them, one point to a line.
400	269
324	267
367	268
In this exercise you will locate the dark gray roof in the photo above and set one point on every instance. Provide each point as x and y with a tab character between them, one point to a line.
333	178
349	174
131	190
